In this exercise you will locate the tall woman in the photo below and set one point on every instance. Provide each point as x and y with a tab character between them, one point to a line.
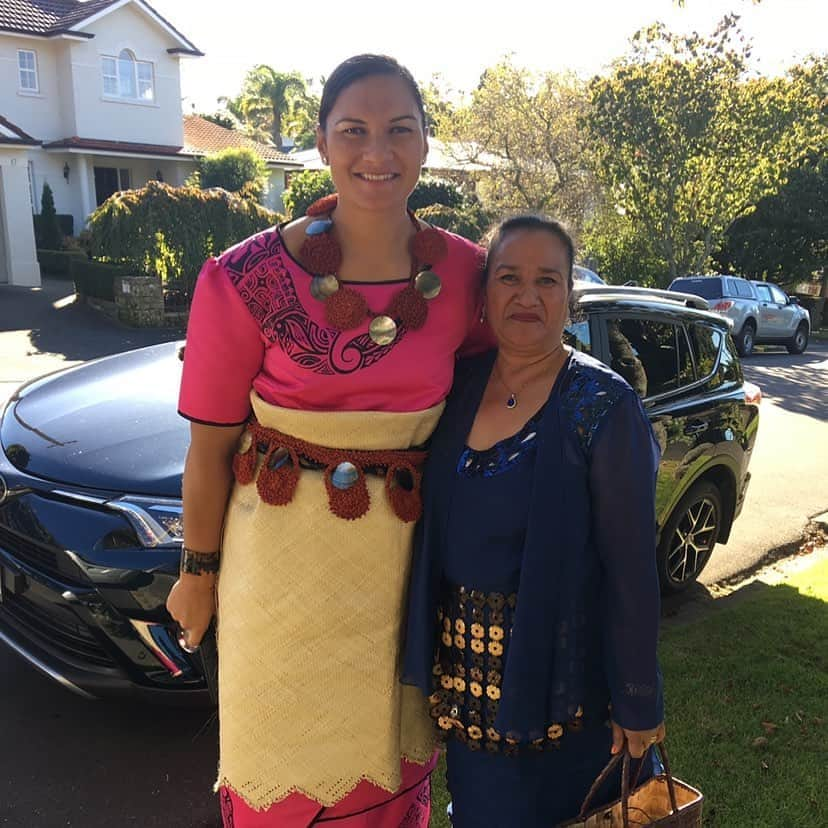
318	357
534	598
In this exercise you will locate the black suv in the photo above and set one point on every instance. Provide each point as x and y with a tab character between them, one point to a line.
90	482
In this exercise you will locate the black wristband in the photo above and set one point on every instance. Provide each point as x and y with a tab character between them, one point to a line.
199	563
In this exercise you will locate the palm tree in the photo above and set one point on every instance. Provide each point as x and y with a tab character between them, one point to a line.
267	98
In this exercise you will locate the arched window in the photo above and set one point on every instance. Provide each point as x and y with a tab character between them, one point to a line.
126	77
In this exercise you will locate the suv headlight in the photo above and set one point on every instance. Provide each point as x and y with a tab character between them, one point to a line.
157	521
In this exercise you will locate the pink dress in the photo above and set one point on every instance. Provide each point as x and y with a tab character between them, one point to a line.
254	324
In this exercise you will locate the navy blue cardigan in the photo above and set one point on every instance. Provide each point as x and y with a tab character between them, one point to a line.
586	623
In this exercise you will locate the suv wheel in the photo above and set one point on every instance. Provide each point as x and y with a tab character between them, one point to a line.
746	338
799	341
689	537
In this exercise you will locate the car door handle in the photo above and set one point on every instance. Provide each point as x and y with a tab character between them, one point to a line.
696	427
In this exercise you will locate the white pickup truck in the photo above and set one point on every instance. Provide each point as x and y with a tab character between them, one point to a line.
762	313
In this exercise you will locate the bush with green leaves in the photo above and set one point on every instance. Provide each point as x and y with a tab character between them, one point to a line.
306	187
235	169
430	190
467	222
57	262
50	233
170	231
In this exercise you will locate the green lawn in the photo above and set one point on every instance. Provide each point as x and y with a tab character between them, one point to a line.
747	706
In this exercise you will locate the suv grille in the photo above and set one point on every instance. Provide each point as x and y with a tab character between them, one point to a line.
54	630
41	558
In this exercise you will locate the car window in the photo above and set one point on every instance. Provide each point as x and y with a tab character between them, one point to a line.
743	289
708	287
576	335
763	292
706	342
654	357
778	295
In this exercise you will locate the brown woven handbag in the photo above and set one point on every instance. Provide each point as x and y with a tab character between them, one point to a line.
662	800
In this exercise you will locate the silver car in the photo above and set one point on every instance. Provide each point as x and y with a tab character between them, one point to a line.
782	320
761	312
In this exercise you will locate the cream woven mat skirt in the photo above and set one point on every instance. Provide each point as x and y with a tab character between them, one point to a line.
310	610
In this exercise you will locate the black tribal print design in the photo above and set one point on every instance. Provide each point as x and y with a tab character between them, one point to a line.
259	274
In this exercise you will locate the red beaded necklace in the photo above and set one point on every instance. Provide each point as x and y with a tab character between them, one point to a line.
346	308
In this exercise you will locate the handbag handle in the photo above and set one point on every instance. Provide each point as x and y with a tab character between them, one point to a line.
624	758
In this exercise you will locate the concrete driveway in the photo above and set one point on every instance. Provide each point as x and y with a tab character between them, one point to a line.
44	329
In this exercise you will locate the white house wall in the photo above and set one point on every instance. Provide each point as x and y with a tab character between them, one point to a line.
117	120
39	114
19	265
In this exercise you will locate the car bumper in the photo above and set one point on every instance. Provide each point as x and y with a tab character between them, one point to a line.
92	619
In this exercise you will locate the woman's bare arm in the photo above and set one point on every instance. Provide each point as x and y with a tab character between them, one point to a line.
208	478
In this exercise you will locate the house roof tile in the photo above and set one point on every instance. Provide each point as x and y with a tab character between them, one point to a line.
12	134
129	147
46	18
202	136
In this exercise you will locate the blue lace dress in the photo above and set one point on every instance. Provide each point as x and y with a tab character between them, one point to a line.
477	572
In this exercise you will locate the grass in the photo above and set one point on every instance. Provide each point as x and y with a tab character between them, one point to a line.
747	706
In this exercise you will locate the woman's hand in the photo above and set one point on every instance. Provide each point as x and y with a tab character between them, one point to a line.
637	740
192	603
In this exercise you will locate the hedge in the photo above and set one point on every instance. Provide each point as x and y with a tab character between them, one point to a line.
97	279
66	222
58	262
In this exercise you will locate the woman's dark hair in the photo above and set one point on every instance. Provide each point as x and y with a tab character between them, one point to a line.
356	69
529	222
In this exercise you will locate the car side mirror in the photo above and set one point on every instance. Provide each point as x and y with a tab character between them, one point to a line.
793	300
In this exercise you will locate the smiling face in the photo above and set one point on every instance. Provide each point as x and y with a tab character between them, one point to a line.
527	290
375	143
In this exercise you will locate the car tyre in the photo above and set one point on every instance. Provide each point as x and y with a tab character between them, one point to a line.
799	341
746	339
689	536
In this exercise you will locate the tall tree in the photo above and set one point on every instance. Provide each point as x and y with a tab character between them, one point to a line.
267	99
786	238
687	142
526	128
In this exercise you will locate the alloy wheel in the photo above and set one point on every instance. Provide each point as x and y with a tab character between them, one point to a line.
693	541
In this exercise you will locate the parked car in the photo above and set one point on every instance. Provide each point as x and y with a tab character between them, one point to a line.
584	274
782	320
90	483
761	313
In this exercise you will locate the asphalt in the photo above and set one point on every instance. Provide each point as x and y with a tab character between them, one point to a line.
46	329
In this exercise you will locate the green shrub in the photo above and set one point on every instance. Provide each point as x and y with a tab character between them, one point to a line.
97	279
235	169
50	235
430	190
305	188
467	222
169	231
66	224
57	262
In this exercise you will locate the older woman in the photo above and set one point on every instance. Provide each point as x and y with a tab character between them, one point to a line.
534	603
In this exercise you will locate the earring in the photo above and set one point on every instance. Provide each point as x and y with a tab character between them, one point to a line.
482	314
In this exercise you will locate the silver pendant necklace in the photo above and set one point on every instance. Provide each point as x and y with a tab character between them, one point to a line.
512	399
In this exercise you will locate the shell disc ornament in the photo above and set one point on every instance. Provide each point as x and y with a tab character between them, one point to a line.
382	330
324	286
428	284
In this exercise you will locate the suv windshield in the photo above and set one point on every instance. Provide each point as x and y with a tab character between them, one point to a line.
708	287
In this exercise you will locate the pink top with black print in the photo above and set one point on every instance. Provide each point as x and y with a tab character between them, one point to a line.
254	324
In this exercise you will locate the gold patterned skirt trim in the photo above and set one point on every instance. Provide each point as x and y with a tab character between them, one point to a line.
310	619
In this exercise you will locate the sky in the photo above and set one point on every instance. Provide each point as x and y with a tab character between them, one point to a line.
457	40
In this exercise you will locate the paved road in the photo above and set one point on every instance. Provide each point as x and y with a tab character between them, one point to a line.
790	460
69	762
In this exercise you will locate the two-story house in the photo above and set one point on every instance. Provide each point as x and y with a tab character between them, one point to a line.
90	103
